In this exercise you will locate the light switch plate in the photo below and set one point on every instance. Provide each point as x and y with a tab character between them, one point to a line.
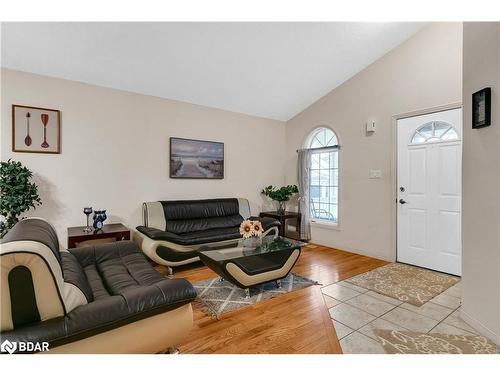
375	173
371	126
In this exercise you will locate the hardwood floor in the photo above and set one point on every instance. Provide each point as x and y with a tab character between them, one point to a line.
297	322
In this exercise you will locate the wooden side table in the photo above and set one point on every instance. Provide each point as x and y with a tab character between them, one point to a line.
282	218
109	233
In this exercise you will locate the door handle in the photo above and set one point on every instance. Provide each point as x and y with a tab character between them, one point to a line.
402	201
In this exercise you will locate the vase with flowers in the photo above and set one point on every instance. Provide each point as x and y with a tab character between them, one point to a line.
252	232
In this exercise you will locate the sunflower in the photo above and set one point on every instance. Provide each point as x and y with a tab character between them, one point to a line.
257	228
246	229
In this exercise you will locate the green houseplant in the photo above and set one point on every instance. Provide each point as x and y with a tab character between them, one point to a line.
280	195
18	193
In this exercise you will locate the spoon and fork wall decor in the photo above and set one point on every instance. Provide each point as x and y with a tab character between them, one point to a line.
27	140
35	129
45	120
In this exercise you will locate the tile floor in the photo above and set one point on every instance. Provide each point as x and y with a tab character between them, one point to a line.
356	312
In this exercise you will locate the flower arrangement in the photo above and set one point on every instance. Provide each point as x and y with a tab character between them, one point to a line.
251	228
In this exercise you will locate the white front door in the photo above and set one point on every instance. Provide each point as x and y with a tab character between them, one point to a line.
430	190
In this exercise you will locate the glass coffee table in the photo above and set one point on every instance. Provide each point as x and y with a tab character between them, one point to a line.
246	267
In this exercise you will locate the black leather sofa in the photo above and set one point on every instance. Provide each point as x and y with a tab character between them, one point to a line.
96	299
174	231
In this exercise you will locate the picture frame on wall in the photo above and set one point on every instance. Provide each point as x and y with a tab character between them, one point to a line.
481	108
36	129
196	159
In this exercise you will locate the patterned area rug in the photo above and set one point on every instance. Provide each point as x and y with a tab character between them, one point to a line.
219	297
407	283
398	342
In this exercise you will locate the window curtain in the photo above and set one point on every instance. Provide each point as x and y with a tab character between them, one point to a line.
303	165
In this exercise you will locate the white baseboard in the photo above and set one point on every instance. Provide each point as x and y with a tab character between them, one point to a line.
370	254
479	327
359	252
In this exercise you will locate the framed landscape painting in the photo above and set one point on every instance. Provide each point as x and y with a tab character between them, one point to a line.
36	130
190	158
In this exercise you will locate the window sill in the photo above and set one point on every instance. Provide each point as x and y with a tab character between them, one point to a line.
325	224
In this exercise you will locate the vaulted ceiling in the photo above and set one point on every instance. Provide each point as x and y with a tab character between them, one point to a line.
272	70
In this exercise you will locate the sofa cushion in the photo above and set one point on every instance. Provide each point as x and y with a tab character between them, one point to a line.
196	225
200	215
200	209
192	238
114	268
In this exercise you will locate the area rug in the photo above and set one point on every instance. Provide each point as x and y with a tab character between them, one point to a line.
399	342
406	283
218	297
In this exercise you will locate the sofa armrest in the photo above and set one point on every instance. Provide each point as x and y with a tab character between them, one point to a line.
73	273
108	313
267	222
157	234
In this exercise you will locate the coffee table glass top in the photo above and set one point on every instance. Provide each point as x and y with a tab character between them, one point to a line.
269	245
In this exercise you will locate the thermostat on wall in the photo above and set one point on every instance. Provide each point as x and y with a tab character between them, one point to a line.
370	126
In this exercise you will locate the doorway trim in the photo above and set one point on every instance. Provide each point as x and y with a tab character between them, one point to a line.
394	164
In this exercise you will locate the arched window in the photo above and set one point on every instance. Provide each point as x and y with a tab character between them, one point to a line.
324	175
435	131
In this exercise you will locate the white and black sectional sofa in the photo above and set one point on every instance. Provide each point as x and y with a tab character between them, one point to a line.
174	231
96	299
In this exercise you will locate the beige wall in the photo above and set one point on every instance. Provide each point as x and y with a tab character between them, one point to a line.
481	183
423	72
115	149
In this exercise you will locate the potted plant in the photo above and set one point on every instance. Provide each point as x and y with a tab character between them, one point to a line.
281	195
18	193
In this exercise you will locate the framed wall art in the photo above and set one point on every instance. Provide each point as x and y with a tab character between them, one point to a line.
36	130
190	158
481	108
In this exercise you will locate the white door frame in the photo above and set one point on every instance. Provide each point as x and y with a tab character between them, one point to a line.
394	164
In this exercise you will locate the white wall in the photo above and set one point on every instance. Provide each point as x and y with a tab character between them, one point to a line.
423	72
481	183
115	149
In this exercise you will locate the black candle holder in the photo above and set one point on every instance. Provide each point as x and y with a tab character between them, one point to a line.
87	211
